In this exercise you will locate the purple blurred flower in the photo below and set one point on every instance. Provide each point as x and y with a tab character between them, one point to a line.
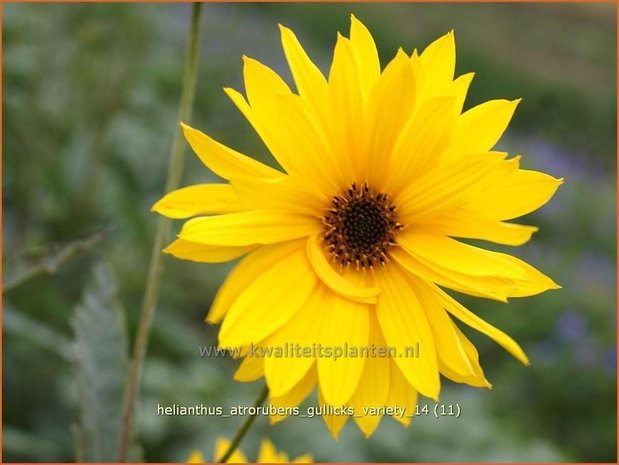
610	360
571	326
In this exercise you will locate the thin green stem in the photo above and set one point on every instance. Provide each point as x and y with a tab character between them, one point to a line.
151	292
240	434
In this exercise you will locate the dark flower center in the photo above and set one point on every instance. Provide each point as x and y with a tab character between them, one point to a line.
360	227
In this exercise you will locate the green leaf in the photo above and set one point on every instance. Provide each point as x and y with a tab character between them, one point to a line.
23	267
102	362
24	443
35	332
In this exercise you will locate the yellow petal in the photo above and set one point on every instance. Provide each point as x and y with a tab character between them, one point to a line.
195	457
534	283
444	254
516	195
280	122
246	272
221	446
490	287
296	395
222	160
477	378
263	88
298	335
439	63
480	128
250	369
305	458
390	105
247	228
404	324
262	85
195	200
335	423
345	324
447	186
365	51
457	356
307	150
373	388
269	301
401	394
193	251
347	107
459	88
239	100
260	115
269	454
290	131
332	279
469	224
448	346
462	258
289	193
420	79
311	84
421	141
469	318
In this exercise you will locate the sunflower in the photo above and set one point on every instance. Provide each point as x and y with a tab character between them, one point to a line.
355	239
267	454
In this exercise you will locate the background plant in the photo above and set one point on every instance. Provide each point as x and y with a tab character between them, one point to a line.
90	100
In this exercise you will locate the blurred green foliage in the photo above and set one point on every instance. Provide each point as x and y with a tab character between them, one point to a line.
89	103
102	365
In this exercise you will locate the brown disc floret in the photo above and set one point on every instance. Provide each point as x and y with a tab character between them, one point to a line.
360	227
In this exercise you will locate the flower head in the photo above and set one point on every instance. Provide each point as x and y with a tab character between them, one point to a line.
353	241
267	454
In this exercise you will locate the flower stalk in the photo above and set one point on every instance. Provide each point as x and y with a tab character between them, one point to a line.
240	434
151	292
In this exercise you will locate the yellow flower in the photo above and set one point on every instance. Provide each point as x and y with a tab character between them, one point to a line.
352	241
267	454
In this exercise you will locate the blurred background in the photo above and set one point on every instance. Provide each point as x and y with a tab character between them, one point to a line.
90	98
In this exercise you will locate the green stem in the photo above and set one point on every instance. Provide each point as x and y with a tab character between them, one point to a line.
240	434
151	292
